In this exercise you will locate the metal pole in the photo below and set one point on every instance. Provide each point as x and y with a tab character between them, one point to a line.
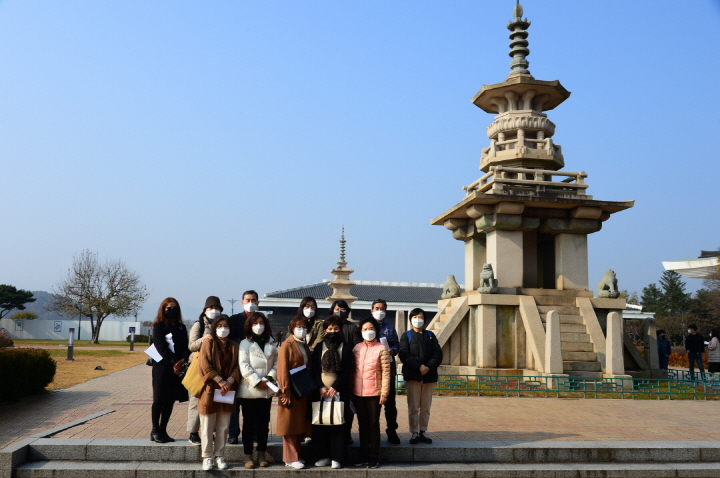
71	343
232	306
132	338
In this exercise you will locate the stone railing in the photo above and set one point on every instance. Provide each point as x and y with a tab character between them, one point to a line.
502	179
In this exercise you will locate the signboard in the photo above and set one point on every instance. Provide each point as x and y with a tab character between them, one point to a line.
58	326
132	330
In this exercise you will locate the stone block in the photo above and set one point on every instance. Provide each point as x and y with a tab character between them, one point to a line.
422	470
141	450
58	449
178	470
13	455
77	469
487	452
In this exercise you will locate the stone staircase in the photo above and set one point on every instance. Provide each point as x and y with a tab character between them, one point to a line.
117	458
579	358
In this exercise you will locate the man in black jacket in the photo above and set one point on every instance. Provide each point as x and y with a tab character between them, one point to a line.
695	346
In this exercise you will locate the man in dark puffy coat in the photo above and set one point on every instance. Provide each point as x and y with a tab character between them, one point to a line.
664	350
421	356
695	346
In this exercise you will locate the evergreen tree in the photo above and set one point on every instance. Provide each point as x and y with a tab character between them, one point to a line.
674	298
652	299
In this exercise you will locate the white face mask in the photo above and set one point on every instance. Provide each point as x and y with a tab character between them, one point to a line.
309	313
250	307
300	333
258	329
379	315
368	335
417	323
689	331
212	314
222	332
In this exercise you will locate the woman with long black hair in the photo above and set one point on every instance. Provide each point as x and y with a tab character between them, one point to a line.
170	338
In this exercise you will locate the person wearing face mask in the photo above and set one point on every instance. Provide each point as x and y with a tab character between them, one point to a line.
695	346
421	356
332	368
167	386
250	304
664	350
389	338
258	365
714	352
292	412
371	386
199	333
219	368
308	309
351	335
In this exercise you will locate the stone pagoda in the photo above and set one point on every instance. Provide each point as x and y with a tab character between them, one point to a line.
527	307
342	284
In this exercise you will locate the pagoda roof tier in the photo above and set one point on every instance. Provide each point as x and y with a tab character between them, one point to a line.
548	94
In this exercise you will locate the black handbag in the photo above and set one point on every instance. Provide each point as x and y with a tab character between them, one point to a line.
303	384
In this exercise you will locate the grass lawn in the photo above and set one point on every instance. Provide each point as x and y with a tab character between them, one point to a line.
78	343
82	369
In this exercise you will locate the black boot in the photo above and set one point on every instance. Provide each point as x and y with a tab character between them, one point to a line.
157	436
392	437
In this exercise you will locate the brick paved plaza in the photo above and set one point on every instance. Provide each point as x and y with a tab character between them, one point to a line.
453	418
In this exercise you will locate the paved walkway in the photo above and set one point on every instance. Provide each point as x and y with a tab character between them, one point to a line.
452	418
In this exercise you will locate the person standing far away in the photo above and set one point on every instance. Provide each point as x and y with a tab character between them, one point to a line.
664	350
250	304
695	346
714	352
421	356
351	336
389	338
200	333
170	338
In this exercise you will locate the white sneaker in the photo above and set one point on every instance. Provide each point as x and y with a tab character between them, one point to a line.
307	440
221	463
301	461
336	465
207	464
323	462
295	465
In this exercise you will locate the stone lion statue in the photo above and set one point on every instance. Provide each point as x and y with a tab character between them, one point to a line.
451	288
607	288
488	282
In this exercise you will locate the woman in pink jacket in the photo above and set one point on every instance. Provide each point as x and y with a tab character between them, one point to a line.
371	385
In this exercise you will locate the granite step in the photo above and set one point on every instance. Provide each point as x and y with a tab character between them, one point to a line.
583	373
582	366
555	301
569	346
573	328
574	337
571	319
562	310
573	356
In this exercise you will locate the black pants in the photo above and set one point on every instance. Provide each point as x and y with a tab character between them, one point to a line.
329	442
390	407
368	413
256	423
234	430
160	415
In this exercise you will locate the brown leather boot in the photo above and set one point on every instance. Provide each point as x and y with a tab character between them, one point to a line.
249	462
261	459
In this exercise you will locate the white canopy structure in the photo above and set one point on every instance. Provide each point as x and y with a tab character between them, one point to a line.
700	268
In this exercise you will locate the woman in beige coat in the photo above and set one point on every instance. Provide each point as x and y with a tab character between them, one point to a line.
219	369
292	416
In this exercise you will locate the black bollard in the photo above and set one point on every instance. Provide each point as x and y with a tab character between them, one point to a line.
71	343
132	338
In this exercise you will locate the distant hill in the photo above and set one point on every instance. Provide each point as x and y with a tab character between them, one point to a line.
38	307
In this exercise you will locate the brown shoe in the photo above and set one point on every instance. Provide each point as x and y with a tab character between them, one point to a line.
249	462
262	459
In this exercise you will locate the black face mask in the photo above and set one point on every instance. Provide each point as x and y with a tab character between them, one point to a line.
172	312
343	314
333	337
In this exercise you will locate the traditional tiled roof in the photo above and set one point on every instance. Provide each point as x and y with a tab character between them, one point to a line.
406	292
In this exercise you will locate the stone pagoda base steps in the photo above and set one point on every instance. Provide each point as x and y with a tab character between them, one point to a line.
579	358
80	458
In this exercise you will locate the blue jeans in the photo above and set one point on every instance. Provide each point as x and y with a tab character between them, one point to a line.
692	358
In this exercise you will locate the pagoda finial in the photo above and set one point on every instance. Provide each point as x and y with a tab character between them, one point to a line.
342	245
518	42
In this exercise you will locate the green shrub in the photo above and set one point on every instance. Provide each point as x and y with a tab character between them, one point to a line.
6	342
24	372
140	338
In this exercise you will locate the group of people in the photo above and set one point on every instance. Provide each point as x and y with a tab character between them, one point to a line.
695	347
351	363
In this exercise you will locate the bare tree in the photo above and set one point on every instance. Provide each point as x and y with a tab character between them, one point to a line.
98	290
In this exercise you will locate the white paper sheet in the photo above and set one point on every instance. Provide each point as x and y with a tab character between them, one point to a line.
228	398
297	369
153	353
171	344
271	385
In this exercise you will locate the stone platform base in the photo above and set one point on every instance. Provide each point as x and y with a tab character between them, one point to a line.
73	458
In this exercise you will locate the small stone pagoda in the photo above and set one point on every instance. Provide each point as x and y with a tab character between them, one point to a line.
341	283
527	306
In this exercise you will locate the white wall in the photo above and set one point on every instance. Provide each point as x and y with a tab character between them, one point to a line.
45	329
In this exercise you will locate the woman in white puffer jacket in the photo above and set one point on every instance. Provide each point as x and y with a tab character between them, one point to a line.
258	365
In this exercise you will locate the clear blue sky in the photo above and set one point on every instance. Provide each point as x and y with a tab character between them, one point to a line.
220	146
